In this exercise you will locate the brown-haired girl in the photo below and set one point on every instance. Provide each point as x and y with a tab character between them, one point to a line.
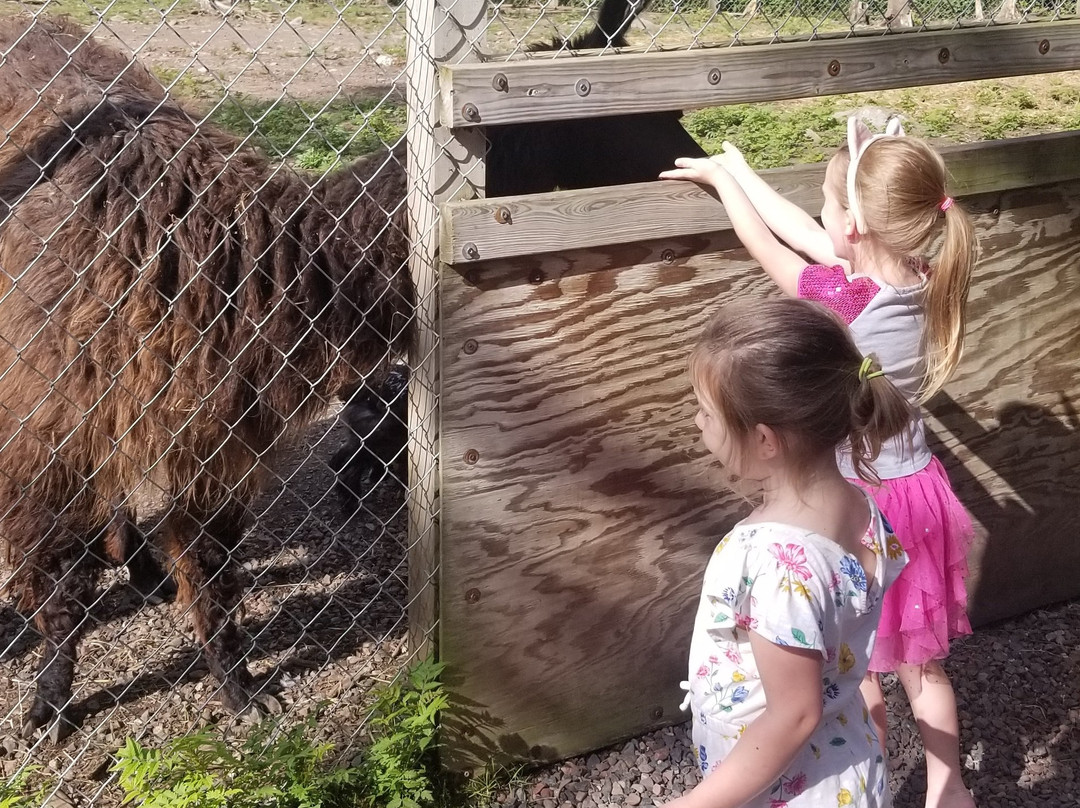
792	595
886	205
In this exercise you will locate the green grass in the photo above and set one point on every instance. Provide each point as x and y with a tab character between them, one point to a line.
770	135
802	131
314	136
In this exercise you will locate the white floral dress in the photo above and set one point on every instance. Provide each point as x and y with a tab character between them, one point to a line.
800	589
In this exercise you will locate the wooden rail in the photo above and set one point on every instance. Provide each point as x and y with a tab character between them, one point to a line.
508	227
496	93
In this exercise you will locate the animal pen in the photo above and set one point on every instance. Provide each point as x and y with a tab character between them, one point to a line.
549	541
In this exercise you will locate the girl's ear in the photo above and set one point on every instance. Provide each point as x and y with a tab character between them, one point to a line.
851	229
766	442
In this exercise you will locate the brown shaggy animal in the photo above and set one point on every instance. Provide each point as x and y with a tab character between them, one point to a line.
171	305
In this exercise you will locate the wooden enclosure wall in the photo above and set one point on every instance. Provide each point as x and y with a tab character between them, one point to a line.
579	506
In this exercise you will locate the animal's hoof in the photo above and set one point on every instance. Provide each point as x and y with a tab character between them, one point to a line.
40	714
59	726
60	729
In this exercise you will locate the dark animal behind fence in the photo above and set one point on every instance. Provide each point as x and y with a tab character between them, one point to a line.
536	157
524	159
171	306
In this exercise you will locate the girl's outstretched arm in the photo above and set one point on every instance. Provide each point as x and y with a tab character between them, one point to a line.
781	263
788	221
792	681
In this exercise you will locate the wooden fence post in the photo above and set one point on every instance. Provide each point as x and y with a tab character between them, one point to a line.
441	167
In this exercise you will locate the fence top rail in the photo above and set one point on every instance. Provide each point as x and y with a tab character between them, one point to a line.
497	93
513	227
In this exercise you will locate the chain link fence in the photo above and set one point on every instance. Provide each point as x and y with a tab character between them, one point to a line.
204	318
202	222
516	25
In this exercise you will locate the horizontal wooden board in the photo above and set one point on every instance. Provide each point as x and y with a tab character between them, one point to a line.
578	506
494	93
482	230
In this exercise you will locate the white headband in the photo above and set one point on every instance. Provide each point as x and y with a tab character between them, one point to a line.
859	138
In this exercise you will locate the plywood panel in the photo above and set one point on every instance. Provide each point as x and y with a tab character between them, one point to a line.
578	505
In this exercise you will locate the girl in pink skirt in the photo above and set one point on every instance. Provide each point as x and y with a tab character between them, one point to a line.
885	204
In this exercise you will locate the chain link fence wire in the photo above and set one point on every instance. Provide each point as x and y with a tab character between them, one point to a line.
515	25
173	380
196	277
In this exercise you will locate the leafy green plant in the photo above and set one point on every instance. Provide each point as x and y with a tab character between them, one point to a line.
398	770
17	791
284	768
270	769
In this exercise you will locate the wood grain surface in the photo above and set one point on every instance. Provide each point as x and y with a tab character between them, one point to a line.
579	506
485	229
540	89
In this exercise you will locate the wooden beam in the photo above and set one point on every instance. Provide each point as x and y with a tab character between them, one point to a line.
437	165
509	227
535	89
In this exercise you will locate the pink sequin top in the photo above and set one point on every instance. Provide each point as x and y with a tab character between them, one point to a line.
887	322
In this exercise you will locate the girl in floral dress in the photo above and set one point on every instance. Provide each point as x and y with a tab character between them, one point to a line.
886	210
792	595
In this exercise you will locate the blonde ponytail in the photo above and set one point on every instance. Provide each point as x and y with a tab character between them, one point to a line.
901	182
946	300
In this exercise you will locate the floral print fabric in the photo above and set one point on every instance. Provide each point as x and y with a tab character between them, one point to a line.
799	589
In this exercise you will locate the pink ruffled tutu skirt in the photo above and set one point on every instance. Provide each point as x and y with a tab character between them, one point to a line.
927	605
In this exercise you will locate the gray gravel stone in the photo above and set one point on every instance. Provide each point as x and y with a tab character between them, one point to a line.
1019	706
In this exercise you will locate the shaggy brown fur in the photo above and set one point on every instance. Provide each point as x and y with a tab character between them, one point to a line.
171	305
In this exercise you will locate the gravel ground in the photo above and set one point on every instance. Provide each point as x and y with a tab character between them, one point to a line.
1018	689
324	611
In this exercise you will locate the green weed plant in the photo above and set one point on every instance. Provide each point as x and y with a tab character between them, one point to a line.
18	791
398	770
284	768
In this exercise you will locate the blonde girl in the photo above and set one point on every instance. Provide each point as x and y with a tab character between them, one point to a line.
792	594
886	206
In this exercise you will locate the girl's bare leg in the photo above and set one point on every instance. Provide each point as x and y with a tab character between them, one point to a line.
875	703
934	706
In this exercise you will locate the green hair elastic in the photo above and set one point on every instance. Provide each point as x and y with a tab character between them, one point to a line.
864	375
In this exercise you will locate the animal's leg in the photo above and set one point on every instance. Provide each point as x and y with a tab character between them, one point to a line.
60	594
125	544
201	551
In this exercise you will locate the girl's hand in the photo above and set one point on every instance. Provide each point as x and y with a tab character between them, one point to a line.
731	159
696	169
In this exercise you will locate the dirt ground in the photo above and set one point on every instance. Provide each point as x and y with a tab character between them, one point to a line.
267	56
